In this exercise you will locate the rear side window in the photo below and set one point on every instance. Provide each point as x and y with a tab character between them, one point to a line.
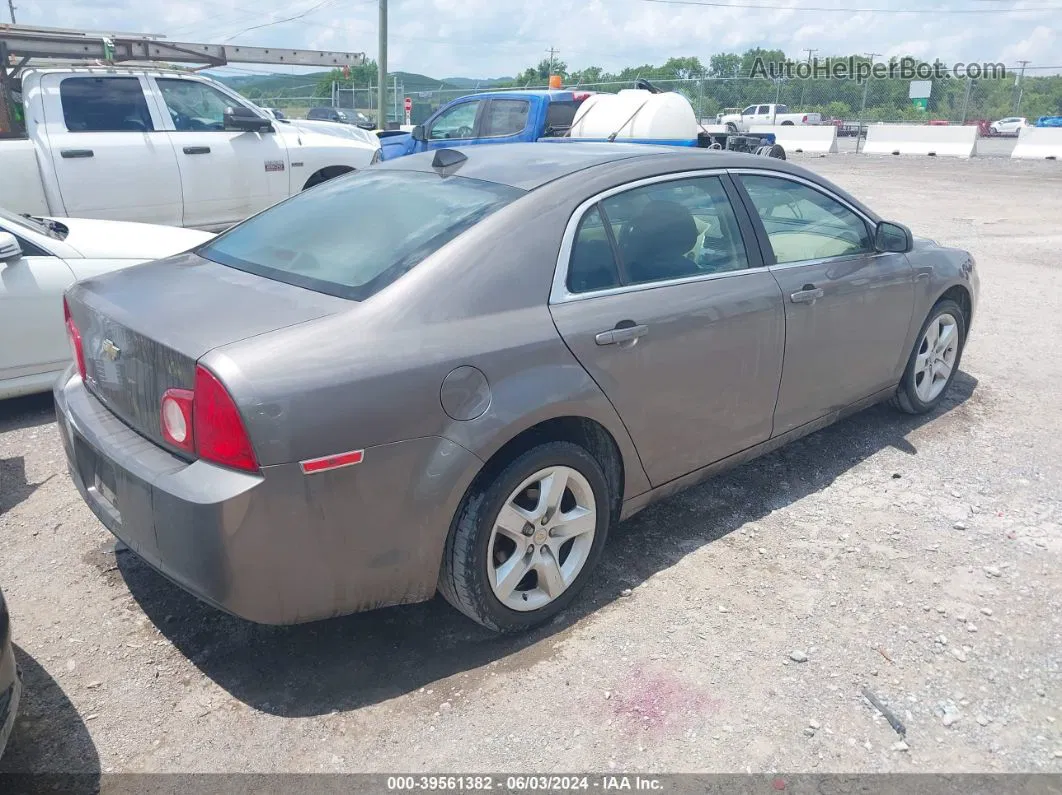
353	236
505	117
104	104
593	265
559	117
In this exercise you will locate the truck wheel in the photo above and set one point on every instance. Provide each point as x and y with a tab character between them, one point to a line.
731	127
787	124
776	151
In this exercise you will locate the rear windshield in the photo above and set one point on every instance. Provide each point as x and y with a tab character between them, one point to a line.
354	235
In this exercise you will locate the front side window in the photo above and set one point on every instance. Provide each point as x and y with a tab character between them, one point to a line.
505	117
803	223
661	232
104	104
354	235
749	111
194	106
457	122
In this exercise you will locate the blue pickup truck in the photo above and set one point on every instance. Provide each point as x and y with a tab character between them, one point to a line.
495	118
502	117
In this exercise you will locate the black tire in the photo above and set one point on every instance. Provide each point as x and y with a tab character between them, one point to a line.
906	398
731	127
776	151
463	580
786	124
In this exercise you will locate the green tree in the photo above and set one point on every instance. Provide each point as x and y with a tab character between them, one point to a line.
725	64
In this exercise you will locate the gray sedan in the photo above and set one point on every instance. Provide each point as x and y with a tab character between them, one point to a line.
456	371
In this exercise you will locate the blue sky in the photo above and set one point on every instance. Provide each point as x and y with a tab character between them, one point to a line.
488	38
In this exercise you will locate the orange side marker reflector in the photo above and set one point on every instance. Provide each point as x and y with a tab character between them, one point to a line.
314	465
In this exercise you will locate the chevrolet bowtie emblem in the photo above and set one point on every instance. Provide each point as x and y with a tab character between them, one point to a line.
110	350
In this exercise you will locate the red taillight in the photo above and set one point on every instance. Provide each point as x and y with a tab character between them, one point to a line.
177	413
75	339
217	426
206	422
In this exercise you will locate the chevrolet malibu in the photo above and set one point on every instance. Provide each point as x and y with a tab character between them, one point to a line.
456	371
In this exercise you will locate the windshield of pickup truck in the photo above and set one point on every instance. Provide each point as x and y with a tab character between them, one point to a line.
354	235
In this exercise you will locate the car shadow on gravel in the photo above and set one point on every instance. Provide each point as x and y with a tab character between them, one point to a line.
345	663
26	412
20	414
50	749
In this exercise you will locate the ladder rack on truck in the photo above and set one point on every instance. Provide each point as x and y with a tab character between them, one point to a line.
20	45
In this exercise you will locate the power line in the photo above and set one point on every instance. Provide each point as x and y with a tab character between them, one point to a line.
712	4
300	15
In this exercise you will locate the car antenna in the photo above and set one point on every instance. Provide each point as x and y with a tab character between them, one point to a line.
448	159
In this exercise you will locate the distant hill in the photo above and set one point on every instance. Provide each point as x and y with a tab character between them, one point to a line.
469	82
279	86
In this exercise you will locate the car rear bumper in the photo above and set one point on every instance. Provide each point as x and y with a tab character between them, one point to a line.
277	547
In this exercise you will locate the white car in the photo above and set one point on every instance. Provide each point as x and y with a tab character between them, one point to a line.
1011	125
39	259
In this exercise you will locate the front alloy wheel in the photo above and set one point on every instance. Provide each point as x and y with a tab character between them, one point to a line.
934	361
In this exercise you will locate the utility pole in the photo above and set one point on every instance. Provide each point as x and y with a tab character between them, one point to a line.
1017	85
381	63
802	82
870	56
552	52
11	8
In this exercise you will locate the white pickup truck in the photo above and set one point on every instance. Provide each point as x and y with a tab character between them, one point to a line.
158	146
766	114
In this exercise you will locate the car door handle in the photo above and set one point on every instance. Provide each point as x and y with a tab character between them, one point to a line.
69	153
621	334
809	294
197	150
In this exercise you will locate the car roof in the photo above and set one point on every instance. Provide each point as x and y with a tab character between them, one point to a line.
531	165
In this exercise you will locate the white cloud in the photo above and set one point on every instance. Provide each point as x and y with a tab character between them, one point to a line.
487	38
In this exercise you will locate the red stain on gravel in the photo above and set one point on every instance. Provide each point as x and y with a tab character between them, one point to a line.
656	699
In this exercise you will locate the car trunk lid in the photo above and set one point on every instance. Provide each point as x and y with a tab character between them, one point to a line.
144	328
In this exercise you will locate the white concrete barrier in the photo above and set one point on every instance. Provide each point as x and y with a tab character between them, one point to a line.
1038	143
921	139
816	138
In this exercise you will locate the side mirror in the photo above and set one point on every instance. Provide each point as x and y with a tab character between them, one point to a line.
242	118
419	134
10	250
893	238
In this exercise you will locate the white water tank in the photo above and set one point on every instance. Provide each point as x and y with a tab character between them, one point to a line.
635	113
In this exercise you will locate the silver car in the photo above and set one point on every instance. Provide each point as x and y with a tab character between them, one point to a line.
456	371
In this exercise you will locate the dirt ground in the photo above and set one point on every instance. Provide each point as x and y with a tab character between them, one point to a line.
919	558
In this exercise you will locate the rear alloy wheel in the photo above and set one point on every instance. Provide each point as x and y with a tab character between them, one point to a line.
522	547
934	360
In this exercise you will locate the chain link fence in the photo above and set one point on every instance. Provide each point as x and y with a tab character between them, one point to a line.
846	102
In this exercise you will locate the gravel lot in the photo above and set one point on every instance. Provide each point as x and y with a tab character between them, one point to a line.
917	557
